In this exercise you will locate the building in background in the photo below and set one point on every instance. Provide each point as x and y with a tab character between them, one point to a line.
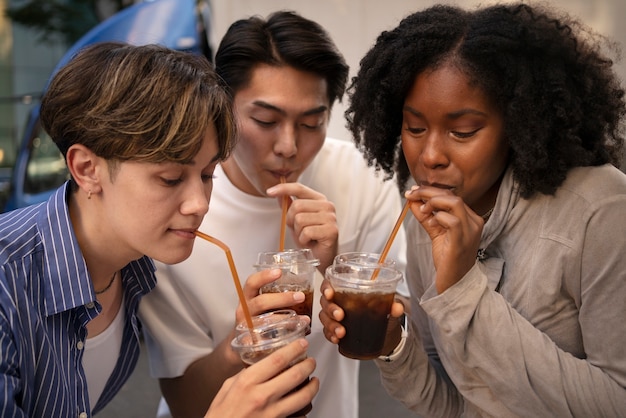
26	63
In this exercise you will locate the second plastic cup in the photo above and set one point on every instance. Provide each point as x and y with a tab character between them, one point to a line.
366	303
362	259
269	333
298	274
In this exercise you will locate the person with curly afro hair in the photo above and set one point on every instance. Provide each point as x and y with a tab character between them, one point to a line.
508	123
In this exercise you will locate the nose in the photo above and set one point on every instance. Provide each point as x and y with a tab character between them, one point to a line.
434	153
286	142
196	201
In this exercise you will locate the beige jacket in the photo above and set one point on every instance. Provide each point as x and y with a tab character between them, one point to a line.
551	340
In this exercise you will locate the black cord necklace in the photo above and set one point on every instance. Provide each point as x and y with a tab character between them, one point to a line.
99	292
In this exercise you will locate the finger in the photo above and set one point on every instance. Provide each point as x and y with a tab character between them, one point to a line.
333	330
425	193
297	400
296	190
272	301
397	309
278	361
327	290
307	213
324	235
259	279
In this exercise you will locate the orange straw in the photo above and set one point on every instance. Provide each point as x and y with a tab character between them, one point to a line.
233	270
283	220
383	255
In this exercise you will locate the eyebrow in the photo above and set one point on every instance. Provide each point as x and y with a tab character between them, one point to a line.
453	115
265	105
193	162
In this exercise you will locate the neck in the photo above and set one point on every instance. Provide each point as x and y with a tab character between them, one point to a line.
239	179
102	263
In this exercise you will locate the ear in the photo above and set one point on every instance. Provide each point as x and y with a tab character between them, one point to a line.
85	167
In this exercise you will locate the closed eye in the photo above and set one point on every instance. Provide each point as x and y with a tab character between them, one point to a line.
312	127
415	131
465	135
171	182
263	122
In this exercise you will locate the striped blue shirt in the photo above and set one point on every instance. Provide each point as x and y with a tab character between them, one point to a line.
46	301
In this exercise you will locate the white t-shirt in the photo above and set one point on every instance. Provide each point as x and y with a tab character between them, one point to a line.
192	308
100	356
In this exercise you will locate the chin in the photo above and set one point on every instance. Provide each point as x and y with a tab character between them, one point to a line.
173	257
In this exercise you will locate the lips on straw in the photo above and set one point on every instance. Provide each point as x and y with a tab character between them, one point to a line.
383	255
283	220
233	270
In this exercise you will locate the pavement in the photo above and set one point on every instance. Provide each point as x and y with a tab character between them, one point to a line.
140	396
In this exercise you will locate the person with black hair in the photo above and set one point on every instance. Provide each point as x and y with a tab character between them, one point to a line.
510	121
285	73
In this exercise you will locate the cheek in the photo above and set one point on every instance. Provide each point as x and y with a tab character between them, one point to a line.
310	146
498	157
253	144
411	153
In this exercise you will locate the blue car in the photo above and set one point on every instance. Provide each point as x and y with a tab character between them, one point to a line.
178	24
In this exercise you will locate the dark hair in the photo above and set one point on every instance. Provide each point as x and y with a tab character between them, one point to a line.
145	103
285	38
562	104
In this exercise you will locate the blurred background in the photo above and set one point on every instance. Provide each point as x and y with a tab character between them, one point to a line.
35	36
355	24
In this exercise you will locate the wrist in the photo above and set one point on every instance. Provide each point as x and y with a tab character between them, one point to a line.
395	353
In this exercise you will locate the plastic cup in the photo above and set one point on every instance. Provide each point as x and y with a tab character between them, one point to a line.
366	304
271	331
363	258
298	275
267	319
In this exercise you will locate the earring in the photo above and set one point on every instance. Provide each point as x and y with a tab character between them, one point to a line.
89	194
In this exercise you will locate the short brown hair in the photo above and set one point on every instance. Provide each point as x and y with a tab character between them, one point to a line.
144	103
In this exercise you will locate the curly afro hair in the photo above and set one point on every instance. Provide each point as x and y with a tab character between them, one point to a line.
562	103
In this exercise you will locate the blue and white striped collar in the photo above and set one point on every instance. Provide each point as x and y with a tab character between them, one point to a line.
66	280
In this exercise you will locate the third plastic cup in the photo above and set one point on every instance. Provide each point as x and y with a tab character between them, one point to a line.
365	292
362	258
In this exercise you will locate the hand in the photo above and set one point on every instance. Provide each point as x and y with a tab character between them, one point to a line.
257	303
454	229
264	389
312	219
331	314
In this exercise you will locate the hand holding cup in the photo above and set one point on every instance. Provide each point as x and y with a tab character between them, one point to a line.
269	333
298	267
358	307
271	379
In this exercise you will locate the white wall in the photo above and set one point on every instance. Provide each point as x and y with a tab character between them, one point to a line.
355	24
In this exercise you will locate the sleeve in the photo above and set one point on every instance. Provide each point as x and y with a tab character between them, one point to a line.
430	393
175	335
528	373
